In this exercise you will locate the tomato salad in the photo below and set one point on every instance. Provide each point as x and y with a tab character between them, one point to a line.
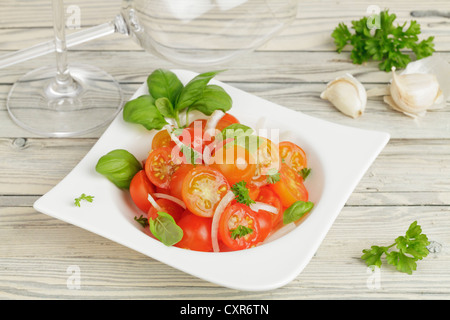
211	184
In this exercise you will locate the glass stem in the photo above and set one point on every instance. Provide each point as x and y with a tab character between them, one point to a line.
64	82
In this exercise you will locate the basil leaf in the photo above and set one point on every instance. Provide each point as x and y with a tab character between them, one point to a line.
164	84
119	166
165	107
193	91
236	130
213	98
143	111
297	210
165	229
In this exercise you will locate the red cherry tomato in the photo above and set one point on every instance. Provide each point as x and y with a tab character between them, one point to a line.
226	121
293	155
176	183
203	188
196	232
170	207
160	166
140	187
290	188
268	196
238	227
264	219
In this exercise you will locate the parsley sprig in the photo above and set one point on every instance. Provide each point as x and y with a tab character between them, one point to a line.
411	248
387	43
241	192
83	196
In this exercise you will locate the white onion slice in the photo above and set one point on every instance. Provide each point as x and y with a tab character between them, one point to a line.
263	206
280	232
171	198
153	202
212	122
223	203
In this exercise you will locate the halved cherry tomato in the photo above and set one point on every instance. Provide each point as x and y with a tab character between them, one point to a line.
140	187
238	227
226	121
235	162
162	139
203	188
293	155
290	188
196	232
170	207
176	183
267	159
268	196
160	166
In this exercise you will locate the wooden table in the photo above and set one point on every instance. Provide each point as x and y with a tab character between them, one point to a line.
408	181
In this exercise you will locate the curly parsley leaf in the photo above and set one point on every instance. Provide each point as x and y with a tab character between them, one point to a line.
411	248
240	231
241	192
273	176
83	196
387	43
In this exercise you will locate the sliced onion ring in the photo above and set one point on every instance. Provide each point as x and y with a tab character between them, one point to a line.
171	198
263	206
227	198
153	202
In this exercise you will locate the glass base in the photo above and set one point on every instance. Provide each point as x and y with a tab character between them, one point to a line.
90	102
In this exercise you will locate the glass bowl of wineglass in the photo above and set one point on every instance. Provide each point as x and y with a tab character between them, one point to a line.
68	99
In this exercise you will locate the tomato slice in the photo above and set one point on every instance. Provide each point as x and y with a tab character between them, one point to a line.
226	121
293	155
170	207
268	196
203	188
176	183
268	161
234	162
140	187
290	188
196	232
162	139
238	227
160	166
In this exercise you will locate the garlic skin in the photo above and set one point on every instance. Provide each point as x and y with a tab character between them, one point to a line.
347	94
414	93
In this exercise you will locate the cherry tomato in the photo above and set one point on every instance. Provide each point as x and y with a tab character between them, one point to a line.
290	188
235	163
140	187
196	232
267	159
293	155
162	139
203	188
238	227
170	207
160	166
266	195
253	191
264	219
176	183
193	138
226	121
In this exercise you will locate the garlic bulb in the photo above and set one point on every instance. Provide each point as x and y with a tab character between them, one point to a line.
347	94
414	93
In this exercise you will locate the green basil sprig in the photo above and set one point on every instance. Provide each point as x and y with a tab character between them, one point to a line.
119	166
297	210
168	97
165	229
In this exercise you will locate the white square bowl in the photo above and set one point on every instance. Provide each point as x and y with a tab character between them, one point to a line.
338	155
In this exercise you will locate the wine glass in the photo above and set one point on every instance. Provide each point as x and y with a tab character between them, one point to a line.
63	100
185	32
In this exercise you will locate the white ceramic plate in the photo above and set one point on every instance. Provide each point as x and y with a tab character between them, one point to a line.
338	156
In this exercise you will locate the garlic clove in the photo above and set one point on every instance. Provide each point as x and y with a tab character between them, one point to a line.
415	92
347	94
